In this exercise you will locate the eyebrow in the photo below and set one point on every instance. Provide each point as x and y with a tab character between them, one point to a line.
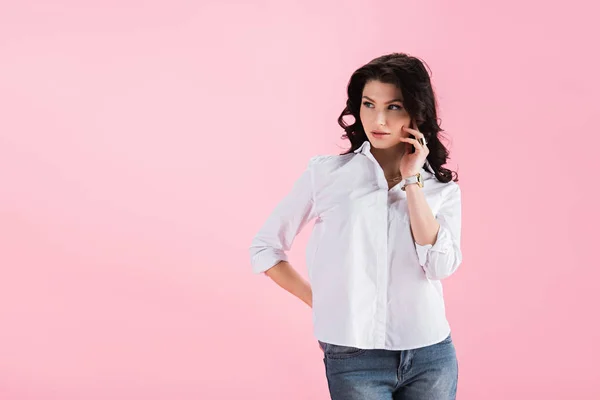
391	101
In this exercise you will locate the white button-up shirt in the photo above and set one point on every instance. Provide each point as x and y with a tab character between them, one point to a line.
373	286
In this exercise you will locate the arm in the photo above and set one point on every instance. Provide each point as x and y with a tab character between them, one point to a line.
275	237
437	239
284	275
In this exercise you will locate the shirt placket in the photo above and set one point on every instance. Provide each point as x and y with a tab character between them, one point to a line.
381	233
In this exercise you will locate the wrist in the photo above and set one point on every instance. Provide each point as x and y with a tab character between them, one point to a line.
408	173
409	181
411	187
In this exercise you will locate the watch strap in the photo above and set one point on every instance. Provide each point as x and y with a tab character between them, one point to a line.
412	180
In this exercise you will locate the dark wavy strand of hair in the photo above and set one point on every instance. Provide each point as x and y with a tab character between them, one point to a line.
409	74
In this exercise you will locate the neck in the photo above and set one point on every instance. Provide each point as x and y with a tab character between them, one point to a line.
389	159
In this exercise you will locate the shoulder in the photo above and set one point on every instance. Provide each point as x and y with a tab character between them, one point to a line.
450	192
446	190
329	161
451	186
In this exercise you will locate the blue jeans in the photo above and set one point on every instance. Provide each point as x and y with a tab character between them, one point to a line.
426	373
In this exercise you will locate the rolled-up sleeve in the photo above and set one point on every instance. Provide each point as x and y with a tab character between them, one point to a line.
291	214
441	259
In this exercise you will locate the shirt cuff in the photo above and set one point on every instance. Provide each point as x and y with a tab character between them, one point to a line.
443	244
266	259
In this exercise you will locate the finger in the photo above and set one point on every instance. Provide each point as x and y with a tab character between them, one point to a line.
418	134
415	132
414	142
418	146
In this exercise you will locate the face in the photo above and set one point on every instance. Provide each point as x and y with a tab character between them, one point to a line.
382	110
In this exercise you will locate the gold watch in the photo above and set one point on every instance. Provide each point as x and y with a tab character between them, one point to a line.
413	179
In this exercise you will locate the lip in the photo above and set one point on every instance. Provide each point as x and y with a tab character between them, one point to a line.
379	133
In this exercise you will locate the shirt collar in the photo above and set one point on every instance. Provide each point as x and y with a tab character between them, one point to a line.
365	149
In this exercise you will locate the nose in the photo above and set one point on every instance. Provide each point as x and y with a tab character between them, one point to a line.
381	119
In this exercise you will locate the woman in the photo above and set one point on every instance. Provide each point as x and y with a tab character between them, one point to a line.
387	231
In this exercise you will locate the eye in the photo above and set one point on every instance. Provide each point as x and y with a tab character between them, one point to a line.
368	104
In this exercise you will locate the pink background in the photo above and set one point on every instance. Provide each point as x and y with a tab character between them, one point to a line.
143	143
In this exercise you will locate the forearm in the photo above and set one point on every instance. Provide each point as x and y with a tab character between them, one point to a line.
289	279
423	224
